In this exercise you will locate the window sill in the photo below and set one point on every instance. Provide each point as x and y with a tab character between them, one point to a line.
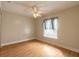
51	37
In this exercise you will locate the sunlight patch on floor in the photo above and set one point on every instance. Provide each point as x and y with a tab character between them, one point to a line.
52	51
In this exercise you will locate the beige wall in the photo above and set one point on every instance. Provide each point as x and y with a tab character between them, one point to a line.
16	28
68	28
0	25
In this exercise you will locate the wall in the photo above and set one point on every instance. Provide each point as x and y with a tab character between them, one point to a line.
16	28
0	25
68	29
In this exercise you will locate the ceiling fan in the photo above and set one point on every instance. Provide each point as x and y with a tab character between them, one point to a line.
35	11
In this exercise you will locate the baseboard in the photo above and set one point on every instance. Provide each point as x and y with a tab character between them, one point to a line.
61	45
14	42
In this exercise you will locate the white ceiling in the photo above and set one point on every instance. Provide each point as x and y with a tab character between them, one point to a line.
24	7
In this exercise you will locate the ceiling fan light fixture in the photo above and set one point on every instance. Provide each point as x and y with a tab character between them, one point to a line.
34	15
36	12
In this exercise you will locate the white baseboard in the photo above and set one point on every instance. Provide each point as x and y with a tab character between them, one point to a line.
61	45
14	42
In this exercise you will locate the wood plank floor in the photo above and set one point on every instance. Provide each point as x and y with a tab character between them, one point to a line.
35	48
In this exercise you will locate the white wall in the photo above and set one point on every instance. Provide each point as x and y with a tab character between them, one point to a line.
16	28
68	31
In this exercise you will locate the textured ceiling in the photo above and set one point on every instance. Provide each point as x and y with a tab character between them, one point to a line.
24	7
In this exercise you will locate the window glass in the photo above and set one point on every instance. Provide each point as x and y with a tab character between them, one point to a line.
50	28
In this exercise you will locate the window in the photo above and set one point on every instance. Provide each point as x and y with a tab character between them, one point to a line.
50	27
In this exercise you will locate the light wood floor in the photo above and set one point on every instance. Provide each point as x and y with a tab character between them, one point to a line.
35	48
